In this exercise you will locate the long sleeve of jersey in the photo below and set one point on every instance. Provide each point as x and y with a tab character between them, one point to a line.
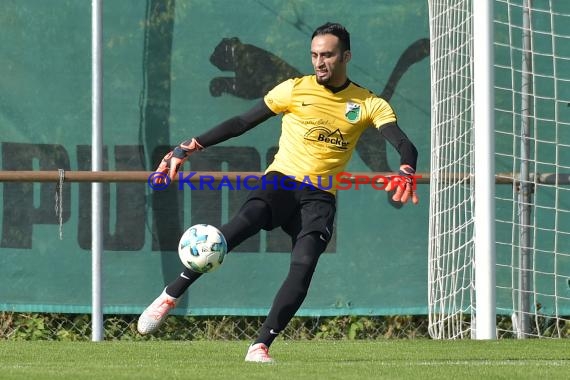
395	136
236	125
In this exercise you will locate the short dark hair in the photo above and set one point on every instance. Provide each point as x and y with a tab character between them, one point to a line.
335	29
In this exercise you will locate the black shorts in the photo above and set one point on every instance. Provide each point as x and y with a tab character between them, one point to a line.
296	207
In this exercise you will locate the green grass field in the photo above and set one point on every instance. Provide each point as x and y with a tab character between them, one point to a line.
317	359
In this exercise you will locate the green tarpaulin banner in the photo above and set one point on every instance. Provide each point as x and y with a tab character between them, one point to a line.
173	69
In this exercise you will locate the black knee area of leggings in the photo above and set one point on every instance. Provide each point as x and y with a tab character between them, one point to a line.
252	217
304	258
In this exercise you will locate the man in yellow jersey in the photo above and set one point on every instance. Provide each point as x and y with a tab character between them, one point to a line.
323	116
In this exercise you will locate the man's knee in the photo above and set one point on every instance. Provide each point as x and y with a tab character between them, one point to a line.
307	250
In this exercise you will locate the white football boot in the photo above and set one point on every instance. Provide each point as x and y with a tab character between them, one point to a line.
258	353
153	316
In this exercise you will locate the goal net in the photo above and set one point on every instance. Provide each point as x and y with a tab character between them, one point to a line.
531	50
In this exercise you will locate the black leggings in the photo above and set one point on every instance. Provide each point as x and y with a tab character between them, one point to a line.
304	258
251	218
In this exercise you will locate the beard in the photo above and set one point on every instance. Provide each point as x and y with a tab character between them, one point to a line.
323	80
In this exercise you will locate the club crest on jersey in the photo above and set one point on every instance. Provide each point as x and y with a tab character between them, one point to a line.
352	112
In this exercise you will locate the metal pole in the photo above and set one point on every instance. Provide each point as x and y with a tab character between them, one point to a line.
525	188
97	165
484	208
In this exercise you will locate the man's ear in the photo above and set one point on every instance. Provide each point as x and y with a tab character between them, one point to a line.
347	55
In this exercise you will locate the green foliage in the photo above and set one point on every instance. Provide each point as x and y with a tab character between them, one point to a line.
76	327
32	326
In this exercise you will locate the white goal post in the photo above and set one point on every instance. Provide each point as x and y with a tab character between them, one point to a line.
499	228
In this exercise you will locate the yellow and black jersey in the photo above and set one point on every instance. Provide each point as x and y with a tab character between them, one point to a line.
320	128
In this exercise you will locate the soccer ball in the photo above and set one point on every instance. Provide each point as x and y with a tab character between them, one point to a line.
202	248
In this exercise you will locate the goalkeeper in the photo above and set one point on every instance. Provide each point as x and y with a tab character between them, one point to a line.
323	115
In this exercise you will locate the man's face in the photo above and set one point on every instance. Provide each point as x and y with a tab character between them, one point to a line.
328	60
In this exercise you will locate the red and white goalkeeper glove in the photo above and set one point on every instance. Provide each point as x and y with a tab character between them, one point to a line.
404	185
174	159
